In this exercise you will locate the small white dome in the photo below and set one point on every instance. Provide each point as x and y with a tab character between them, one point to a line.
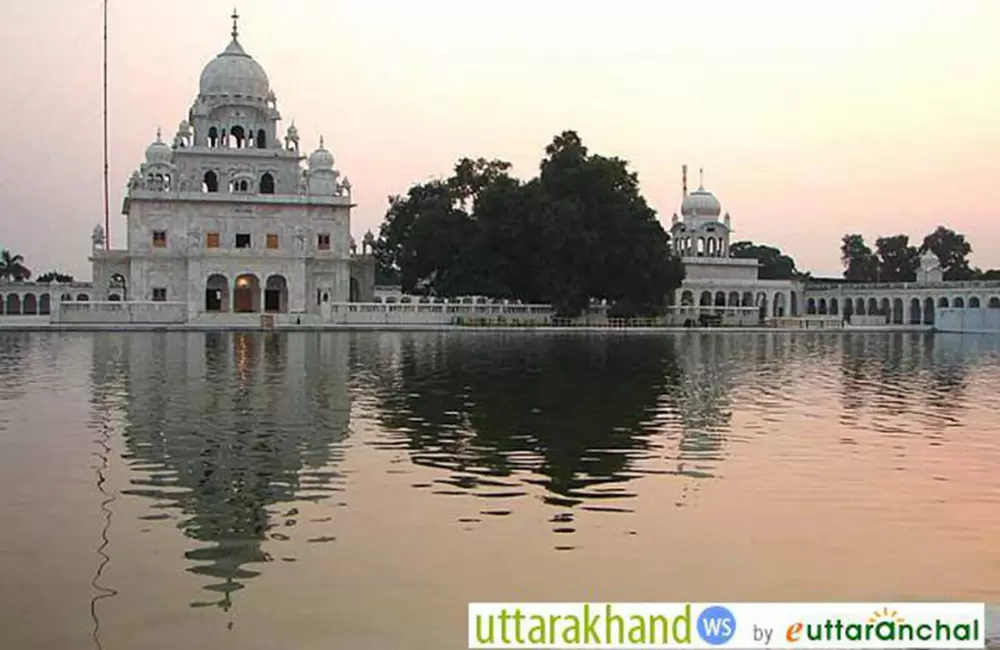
234	72
159	152
701	203
321	158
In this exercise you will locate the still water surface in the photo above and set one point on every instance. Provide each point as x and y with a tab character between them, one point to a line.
356	490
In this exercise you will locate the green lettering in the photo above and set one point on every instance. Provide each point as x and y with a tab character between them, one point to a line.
518	617
590	631
610	618
682	627
553	620
536	635
571	633
479	629
904	632
964	632
504	615
637	630
884	630
657	636
853	632
924	632
942	631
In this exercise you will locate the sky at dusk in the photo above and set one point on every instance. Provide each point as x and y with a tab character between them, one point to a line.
811	119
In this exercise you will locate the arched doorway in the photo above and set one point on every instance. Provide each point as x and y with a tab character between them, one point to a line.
217	293
30	305
276	294
355	291
246	295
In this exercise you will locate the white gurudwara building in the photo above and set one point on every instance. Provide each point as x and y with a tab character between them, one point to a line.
701	236
225	219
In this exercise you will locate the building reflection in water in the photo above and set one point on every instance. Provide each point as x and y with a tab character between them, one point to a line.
580	416
221	429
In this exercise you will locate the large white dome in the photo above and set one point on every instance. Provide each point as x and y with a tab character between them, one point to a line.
701	203
234	73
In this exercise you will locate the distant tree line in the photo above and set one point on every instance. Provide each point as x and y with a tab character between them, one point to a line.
578	231
895	259
12	268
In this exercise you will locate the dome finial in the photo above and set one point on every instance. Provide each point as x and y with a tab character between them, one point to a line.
235	17
321	142
701	178
159	135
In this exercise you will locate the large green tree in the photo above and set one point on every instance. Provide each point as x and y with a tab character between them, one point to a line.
859	261
953	251
579	231
897	259
774	264
12	267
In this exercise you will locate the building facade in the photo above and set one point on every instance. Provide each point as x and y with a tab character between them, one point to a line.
713	278
226	219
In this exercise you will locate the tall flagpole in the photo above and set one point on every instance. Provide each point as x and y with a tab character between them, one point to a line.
107	219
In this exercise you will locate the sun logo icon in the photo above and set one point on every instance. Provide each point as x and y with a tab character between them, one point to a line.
886	614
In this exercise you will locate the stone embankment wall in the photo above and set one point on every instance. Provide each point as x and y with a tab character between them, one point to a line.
983	320
113	313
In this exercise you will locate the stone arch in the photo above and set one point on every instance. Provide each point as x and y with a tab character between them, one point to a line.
238	135
761	301
276	294
929	311
898	316
246	294
210	183
848	308
240	185
687	298
705	300
117	282
66	297
734	299
872	307
13	304
834	307
811	307
29	306
700	246
267	183
216	293
261	139
958	303
915	311
114	297
994	302
779	304
943	302
45	304
821	307
82	297
793	297
885	308
859	306
720	299
974	302
747	299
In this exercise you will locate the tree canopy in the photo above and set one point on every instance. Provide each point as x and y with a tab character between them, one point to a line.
774	264
896	260
12	267
580	230
54	276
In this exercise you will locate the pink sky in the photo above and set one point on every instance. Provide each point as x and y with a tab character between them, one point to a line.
811	119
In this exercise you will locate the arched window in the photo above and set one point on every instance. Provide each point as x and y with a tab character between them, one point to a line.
213	137
211	182
261	139
238	136
267	183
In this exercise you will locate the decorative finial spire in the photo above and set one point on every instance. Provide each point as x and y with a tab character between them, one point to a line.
684	179
235	17
701	178
159	135
321	142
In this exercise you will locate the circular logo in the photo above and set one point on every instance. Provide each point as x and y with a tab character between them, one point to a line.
716	625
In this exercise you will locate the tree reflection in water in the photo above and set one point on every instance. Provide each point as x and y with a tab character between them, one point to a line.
221	428
579	415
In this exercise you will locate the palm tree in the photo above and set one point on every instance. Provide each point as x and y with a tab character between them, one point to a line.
12	267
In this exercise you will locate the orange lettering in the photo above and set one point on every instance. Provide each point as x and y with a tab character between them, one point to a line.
793	632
